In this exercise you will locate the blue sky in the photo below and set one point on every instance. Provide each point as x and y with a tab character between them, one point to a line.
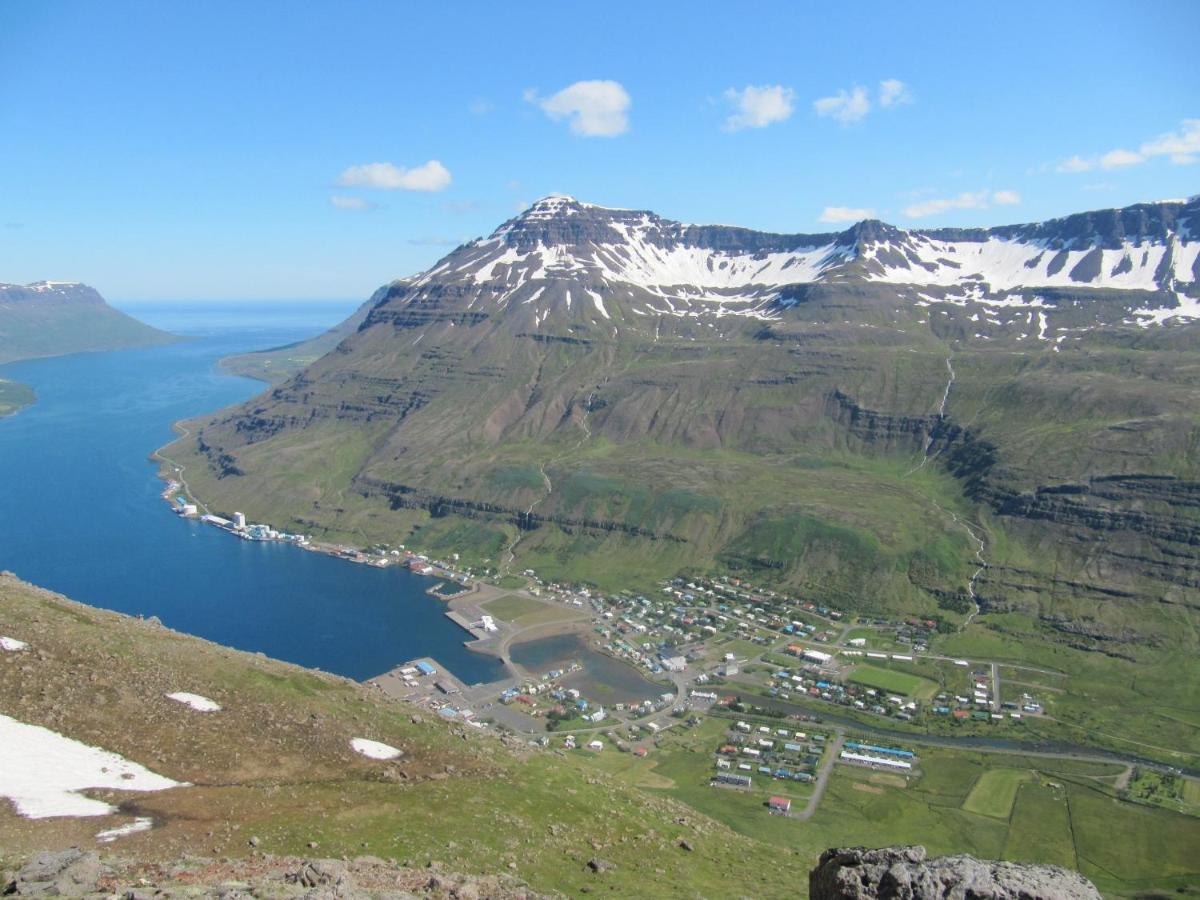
228	150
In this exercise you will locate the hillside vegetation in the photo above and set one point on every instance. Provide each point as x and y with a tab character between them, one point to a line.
275	764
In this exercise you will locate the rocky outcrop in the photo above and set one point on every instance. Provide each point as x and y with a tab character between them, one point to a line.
79	873
905	873
66	873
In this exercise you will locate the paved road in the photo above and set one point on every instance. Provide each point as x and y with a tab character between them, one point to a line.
183	433
823	774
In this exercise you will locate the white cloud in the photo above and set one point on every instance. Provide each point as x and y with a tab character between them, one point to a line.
758	107
595	108
965	200
430	176
1075	164
893	92
344	201
1182	147
1115	159
845	214
845	106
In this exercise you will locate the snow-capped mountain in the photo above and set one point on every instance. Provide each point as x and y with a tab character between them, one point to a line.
608	382
565	256
71	291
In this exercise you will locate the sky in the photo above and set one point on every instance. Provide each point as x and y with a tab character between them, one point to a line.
272	150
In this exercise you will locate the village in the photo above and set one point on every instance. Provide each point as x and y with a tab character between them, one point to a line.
803	674
789	680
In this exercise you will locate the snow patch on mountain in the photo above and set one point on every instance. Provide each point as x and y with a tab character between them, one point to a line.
195	701
42	772
375	749
1187	308
561	250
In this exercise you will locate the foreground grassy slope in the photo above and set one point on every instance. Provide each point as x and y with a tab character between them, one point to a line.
275	763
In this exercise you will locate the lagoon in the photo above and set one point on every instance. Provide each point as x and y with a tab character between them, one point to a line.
80	511
603	678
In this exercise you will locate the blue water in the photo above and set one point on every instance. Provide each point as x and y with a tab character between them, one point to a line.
80	511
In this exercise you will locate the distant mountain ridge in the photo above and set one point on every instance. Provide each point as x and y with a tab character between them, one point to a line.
562	256
50	291
53	318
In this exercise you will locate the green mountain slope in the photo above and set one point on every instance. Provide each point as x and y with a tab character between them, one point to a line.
781	431
914	422
57	318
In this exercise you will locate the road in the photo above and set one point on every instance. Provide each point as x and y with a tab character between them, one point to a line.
834	750
184	432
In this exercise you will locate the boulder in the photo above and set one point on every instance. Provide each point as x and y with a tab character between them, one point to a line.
905	873
321	873
64	873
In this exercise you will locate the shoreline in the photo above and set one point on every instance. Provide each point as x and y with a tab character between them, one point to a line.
465	607
183	501
15	397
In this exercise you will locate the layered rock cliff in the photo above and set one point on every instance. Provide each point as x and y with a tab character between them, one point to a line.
587	381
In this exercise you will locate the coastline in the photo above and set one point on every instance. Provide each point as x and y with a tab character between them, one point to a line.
14	397
466	607
184	503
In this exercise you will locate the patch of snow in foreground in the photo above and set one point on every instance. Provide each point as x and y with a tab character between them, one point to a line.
374	749
41	771
138	824
11	645
195	701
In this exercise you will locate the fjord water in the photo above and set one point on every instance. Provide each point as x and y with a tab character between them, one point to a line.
80	511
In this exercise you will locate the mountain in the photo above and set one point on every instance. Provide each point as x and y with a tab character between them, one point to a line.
53	318
884	419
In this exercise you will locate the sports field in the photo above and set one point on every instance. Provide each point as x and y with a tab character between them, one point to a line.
894	682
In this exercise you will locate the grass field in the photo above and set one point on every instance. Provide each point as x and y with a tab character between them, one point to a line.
513	607
995	791
525	612
1040	826
893	681
1191	793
